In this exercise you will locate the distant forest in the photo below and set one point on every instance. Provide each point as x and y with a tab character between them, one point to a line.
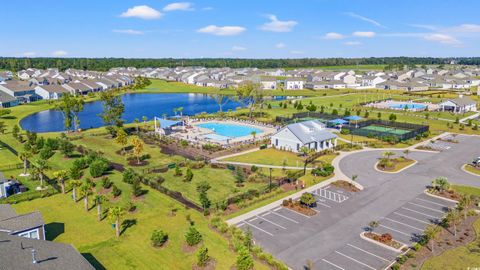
104	64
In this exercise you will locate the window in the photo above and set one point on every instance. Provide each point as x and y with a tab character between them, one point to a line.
276	142
298	146
30	234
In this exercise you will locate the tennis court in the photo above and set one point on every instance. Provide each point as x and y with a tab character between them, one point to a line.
384	129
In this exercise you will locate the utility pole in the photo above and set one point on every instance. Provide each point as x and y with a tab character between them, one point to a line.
270	185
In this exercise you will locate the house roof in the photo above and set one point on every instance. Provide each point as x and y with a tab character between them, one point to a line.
4	97
16	253
6	211
463	101
19	223
54	88
310	131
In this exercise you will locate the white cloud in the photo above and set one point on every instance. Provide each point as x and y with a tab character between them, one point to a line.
465	28
59	53
365	34
276	25
142	12
443	39
333	35
296	52
424	26
363	18
183	6
280	45
29	54
222	30
352	43
238	48
128	31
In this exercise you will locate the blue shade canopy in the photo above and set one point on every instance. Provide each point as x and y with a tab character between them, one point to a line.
353	118
165	123
338	121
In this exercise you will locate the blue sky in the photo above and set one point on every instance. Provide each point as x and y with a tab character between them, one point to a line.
240	28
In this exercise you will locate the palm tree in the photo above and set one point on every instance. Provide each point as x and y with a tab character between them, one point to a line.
115	214
441	183
85	190
40	167
99	200
61	175
430	233
373	224
254	134
75	184
465	202
24	156
406	152
354	177
137	122
453	216
388	155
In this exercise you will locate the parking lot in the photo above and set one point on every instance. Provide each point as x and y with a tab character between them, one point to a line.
406	224
440	145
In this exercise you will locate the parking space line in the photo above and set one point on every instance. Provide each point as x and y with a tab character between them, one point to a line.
411	210
404	224
412	218
266	214
439	204
258	228
332	264
322	204
425	207
296	212
355	260
240	225
374	255
388	228
271	222
287	218
277	209
252	219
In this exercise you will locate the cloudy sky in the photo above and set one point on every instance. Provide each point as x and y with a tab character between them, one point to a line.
240	28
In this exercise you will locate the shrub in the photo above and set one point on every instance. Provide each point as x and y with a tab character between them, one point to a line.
98	167
193	236
158	238
402	259
136	189
106	182
244	259
52	143
395	267
345	131
178	172
116	191
80	163
75	173
202	256
129	176
130	207
46	153
188	176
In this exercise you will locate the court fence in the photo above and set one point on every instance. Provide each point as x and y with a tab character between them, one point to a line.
411	130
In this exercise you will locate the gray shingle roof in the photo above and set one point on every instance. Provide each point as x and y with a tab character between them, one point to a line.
6	211
463	101
310	131
22	222
16	253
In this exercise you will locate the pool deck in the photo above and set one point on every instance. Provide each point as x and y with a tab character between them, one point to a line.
389	105
197	134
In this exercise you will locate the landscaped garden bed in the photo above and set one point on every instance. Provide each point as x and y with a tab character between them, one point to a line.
385	239
388	164
345	186
298	207
472	169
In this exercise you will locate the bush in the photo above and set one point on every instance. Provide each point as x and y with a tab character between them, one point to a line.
188	176
158	238
202	256
52	143
129	176
98	167
325	171
80	163
244	259
395	267
136	189
106	182
46	153
345	131
402	259
116	191
193	236
75	173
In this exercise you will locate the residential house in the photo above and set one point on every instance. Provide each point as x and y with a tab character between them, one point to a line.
7	101
268	83
23	91
311	134
459	105
53	91
30	225
294	83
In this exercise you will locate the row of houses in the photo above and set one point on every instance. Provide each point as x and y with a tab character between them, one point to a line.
419	79
35	84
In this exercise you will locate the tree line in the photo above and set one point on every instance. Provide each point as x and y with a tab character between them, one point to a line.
104	64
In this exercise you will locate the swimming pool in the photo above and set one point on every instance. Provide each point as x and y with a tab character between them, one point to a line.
408	106
230	130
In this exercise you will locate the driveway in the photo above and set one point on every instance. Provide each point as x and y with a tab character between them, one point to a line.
331	238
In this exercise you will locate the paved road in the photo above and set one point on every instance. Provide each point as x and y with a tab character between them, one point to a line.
326	236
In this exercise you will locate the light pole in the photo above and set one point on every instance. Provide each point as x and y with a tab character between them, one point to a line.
270	185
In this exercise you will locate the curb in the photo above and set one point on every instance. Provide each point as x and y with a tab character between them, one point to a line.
438	197
362	235
399	171
464	170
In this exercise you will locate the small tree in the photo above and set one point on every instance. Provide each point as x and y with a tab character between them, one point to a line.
24	156
244	259
98	167
61	176
202	256
372	225
188	176
115	214
15	131
441	184
464	203
40	167
406	152
239	176
85	190
307	199
158	238
137	148
99	200
430	233
121	139
193	236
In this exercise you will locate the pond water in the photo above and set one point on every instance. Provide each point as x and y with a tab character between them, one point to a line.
136	106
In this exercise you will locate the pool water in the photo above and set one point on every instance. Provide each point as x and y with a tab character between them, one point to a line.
230	130
409	106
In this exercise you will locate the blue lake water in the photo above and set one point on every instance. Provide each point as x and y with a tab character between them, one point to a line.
136	106
230	130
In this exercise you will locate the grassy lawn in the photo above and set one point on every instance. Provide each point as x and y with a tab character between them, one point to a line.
461	258
222	183
8	158
68	222
398	164
271	156
466	190
472	169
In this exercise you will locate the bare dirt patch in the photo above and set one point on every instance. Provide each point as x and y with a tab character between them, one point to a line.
347	186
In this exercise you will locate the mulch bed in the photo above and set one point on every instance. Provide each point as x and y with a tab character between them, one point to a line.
445	240
134	163
189	249
232	208
105	190
395	162
211	264
376	237
450	194
296	206
288	187
347	186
